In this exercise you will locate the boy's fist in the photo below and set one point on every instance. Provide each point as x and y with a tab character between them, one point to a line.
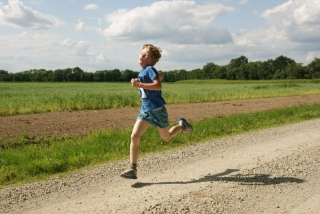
135	82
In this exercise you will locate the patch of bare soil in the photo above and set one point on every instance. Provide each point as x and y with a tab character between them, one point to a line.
268	171
84	122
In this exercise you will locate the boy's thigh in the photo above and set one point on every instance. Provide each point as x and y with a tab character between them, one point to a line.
140	127
157	118
160	118
164	132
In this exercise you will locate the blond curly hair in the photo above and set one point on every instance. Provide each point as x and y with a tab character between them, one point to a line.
154	51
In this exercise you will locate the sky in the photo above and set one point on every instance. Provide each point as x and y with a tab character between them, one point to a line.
104	35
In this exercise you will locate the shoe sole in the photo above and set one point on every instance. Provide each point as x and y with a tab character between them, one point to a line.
123	176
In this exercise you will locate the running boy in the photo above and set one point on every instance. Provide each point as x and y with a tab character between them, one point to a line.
152	111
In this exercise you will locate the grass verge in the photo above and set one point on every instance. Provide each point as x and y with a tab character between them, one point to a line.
25	160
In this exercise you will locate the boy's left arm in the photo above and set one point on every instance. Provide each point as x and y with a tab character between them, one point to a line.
155	85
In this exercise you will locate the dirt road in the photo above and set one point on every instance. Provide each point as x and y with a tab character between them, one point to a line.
270	171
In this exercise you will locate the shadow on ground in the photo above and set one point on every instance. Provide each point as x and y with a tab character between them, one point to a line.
256	179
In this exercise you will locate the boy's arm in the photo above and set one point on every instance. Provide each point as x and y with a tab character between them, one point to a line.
160	77
155	85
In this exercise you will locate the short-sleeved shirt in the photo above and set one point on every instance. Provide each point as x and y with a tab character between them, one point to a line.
151	99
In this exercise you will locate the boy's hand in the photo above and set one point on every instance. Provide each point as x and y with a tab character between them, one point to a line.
135	82
160	77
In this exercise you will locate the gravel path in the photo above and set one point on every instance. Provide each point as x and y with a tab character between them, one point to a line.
270	171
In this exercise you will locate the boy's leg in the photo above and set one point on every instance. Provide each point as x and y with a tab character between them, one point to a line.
167	134
139	128
183	126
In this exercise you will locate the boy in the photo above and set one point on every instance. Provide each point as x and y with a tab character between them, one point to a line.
153	111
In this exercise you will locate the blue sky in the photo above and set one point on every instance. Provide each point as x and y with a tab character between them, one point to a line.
103	35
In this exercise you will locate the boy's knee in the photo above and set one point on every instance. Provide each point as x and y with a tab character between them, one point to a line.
166	138
135	136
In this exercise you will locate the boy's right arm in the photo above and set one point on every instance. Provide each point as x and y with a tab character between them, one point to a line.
160	77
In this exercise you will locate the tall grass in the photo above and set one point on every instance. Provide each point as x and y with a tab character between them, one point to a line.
26	98
29	160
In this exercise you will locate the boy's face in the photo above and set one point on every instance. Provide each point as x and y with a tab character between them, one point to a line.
145	58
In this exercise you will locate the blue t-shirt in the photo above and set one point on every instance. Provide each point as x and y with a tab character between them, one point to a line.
150	99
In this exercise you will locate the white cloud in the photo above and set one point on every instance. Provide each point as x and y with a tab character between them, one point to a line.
68	42
80	48
298	20
312	55
17	15
80	25
99	58
243	1
37	2
182	22
292	31
30	49
90	7
83	27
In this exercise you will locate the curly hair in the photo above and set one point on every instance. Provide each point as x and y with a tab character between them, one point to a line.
155	51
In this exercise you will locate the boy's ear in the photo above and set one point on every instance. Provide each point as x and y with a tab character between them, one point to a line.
154	61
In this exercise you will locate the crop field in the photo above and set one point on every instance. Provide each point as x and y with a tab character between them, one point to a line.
31	98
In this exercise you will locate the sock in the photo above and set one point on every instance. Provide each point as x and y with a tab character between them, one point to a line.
133	166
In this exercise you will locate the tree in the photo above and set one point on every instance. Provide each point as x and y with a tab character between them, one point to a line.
255	70
281	62
127	75
241	73
88	77
208	70
196	74
169	76
77	74
237	62
295	71
99	76
313	69
181	75
4	75
268	69
236	68
59	75
114	75
220	72
38	75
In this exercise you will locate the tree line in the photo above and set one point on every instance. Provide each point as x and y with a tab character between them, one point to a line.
238	69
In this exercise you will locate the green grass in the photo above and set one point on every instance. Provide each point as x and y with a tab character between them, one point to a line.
26	98
24	160
30	98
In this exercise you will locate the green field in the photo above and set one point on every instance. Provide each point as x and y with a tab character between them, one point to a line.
30	98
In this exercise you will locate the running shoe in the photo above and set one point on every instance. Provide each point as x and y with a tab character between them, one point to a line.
187	128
